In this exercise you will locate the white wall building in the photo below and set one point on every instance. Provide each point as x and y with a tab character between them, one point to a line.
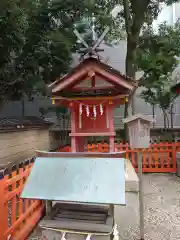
117	55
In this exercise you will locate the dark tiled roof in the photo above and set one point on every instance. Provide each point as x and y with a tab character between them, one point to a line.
110	69
92	60
22	123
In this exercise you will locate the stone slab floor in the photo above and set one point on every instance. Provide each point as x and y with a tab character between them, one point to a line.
162	210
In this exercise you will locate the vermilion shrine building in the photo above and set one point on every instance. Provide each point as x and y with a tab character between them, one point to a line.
91	91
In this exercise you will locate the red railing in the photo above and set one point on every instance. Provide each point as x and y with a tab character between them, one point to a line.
18	216
159	157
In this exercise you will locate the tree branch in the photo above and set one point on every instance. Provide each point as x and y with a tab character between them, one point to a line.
139	9
128	20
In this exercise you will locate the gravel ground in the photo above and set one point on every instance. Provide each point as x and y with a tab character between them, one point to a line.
162	206
162	209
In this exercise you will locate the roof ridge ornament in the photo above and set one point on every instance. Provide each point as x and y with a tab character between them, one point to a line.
92	51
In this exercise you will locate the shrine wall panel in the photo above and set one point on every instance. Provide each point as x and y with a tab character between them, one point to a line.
98	83
91	123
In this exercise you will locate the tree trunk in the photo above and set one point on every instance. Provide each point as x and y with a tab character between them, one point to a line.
130	64
134	19
23	107
172	115
2	104
165	122
130	56
153	112
130	72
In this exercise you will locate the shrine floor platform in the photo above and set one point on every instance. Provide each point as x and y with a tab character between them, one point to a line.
162	210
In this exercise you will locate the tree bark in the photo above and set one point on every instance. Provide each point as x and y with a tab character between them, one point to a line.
153	112
133	24
130	72
23	107
172	115
2	102
130	63
166	120
130	55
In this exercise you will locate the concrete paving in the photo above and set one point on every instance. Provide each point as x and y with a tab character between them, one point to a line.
162	210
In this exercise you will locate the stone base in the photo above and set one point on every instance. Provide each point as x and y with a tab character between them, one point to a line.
52	235
77	221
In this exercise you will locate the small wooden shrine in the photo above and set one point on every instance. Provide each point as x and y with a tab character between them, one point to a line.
92	90
80	190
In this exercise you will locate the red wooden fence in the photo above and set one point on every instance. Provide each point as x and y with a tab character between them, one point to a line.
160	157
18	216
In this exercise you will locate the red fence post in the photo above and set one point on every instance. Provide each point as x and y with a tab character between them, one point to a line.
174	146
3	207
160	157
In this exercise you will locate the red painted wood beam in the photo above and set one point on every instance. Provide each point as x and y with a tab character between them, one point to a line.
114	79
73	87
79	89
78	76
93	82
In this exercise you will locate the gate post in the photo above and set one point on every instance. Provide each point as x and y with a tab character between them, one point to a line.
3	207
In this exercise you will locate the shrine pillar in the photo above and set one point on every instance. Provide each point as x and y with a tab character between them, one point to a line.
73	129
111	127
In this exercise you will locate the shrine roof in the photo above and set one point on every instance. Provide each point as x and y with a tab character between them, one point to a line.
136	117
20	124
94	62
77	179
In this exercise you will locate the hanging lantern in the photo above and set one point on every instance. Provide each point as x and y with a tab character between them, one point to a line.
87	110
126	99
53	101
101	109
80	109
94	111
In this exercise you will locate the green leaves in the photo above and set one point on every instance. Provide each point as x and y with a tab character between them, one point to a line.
37	40
34	50
156	58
